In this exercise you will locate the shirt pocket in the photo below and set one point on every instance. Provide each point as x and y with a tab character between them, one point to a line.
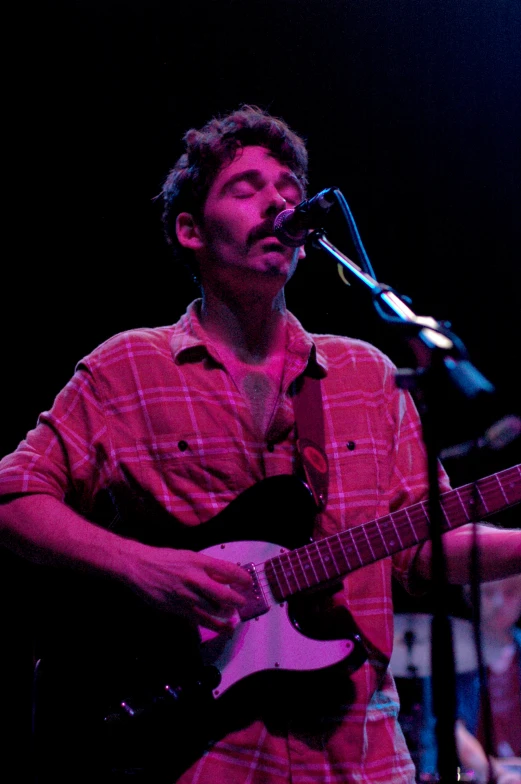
193	475
358	471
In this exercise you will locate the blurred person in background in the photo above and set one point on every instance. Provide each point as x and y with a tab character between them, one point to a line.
500	616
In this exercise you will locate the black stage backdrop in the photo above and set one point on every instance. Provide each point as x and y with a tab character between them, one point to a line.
411	108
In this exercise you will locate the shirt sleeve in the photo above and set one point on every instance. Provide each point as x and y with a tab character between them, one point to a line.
64	454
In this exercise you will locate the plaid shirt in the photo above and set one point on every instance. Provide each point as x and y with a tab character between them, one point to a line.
156	409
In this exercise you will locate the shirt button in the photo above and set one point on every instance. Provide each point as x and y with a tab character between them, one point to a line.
350	445
183	446
270	447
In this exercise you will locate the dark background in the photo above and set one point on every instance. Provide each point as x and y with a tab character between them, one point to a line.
411	108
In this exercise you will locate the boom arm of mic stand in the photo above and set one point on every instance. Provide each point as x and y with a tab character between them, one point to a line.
425	335
436	349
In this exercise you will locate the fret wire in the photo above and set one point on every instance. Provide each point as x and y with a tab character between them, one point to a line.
307	549
275	566
271	568
354	547
279	572
390	535
290	558
322	563
303	569
404	524
465	498
485	498
339	546
285	559
513	483
365	527
378	536
410	522
462	506
343	552
476	498
501	489
327	542
383	540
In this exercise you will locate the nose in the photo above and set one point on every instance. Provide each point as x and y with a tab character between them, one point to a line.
275	202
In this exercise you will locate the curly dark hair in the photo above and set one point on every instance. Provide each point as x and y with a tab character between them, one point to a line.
208	149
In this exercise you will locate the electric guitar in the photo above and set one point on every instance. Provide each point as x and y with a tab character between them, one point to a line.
268	635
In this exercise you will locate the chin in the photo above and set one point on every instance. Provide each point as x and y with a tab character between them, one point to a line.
278	262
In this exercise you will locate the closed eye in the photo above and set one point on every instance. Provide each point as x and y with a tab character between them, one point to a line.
242	189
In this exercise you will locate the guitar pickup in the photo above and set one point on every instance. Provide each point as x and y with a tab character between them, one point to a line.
256	603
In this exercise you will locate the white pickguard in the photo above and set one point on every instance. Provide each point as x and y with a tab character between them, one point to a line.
269	641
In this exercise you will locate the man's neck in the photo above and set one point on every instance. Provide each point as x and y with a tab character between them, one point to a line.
253	328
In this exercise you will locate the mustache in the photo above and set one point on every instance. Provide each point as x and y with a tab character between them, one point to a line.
264	229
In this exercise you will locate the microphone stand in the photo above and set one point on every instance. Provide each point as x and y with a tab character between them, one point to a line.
440	355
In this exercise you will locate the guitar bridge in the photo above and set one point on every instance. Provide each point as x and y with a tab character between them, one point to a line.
256	603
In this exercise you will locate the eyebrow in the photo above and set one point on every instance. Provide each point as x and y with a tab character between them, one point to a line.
285	178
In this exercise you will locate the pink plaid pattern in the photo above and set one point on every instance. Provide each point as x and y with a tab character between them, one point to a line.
156	409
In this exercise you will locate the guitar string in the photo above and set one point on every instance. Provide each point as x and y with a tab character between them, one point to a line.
456	503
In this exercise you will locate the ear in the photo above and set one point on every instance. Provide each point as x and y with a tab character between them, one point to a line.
188	232
301	253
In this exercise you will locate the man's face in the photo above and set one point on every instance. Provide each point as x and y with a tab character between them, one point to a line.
501	603
236	229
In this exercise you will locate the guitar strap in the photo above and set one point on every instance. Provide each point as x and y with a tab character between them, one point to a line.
309	418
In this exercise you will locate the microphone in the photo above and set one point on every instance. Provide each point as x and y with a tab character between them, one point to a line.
291	227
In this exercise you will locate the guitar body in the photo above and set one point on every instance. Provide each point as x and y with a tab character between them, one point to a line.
128	658
295	635
273	639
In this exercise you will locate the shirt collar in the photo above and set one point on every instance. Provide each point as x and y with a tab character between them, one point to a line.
190	343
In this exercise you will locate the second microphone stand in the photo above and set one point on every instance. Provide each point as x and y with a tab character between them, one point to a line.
441	356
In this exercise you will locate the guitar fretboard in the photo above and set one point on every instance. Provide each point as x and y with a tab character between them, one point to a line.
337	555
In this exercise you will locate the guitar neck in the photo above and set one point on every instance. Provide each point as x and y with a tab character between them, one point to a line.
336	556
